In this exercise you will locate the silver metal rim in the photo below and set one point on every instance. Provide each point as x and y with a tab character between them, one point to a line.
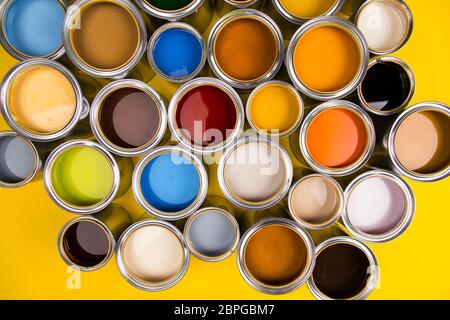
62	252
121	72
72	208
405	103
140	285
13	51
300	102
244	204
374	272
326	224
172	15
81	108
170	216
287	15
286	288
240	5
424	106
408	215
401	4
240	117
154	37
223	255
349	88
251	14
96	107
370	138
37	161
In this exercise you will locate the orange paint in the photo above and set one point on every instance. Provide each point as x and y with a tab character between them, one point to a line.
245	49
327	58
336	138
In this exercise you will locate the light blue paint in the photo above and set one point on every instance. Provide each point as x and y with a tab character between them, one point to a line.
34	27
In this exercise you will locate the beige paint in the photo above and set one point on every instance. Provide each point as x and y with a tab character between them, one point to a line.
153	254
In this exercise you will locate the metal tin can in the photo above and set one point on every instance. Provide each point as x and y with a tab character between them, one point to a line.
95	117
373	268
365	155
178	154
286	14
225	6
364	57
81	108
291	285
134	280
245	14
407	201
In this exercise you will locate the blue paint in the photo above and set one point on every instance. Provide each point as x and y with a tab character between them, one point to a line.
34	27
177	52
170	183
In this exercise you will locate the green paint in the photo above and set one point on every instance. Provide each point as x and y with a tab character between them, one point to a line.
82	176
169	5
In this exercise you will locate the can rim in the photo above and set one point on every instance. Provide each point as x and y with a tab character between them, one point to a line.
408	214
310	248
423	106
171	15
95	119
241	4
326	224
73	208
198	82
155	36
222	256
193	159
260	205
140	285
249	14
365	156
374	269
58	53
294	19
73	12
368	107
359	39
409	16
68	261
81	107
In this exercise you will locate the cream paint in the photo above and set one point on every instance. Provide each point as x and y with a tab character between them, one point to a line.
153	254
255	172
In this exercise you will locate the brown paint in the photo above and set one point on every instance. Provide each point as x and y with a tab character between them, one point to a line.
107	36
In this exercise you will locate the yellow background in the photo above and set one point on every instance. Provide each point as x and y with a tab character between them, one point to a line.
415	266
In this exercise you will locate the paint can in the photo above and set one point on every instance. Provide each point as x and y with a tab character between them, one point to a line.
386	24
275	108
87	243
255	173
341	71
222	7
197	13
104	38
152	255
212	234
219	121
82	177
170	183
388	87
128	117
177	52
327	148
316	201
31	29
276	256
245	48
58	106
345	269
379	206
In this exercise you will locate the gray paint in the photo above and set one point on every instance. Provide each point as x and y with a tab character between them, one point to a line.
17	159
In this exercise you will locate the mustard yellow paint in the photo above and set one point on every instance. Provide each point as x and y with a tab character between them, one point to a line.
307	9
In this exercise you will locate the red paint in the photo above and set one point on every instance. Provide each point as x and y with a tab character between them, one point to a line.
207	107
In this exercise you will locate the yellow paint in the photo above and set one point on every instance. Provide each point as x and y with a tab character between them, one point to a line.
42	100
275	108
307	9
414	266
